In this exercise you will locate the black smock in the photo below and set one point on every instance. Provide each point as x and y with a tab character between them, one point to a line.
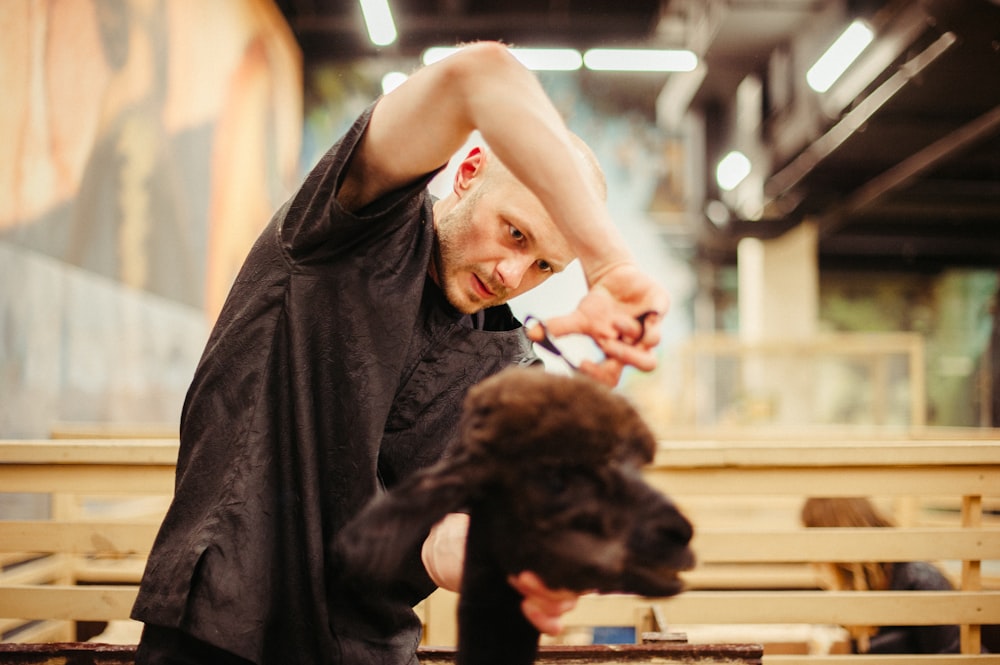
336	368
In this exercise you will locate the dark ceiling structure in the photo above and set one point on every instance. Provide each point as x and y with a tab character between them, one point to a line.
898	165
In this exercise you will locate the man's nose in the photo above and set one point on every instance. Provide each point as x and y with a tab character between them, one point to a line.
511	270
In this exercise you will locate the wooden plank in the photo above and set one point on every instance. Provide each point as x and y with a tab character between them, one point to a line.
872	608
709	575
109	571
44	569
826	481
101	603
115	430
850	453
105	538
89	451
843	544
12	558
44	631
672	453
80	603
738	435
87	478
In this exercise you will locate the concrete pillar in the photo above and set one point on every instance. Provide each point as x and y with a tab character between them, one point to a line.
778	282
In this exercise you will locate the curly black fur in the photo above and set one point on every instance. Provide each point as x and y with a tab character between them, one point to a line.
549	468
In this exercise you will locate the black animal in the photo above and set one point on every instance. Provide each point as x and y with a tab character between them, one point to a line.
548	468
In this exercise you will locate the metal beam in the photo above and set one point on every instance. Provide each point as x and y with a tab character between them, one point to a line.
908	169
787	178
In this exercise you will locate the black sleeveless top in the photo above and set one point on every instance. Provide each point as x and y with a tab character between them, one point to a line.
336	368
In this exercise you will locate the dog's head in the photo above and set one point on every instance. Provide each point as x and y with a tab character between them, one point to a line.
554	463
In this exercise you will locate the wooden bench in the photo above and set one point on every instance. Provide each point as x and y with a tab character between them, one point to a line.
954	472
958	472
130	481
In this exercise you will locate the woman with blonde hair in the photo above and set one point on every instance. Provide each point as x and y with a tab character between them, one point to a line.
858	512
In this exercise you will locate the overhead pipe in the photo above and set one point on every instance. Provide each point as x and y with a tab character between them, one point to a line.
917	163
784	180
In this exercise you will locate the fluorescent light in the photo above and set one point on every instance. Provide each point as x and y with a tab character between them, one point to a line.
538	59
839	56
391	81
378	19
438	53
640	60
549	59
732	170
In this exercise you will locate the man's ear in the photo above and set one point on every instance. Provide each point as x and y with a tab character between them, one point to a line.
468	169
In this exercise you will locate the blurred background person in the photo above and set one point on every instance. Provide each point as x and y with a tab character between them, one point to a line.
880	576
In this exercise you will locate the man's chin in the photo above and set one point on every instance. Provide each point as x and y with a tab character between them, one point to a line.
465	304
469	303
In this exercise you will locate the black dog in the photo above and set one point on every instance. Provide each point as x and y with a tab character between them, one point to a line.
548	468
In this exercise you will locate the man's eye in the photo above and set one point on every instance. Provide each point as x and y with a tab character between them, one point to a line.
544	265
516	234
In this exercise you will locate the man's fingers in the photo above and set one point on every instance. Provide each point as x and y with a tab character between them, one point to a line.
608	371
575	322
545	621
543	606
638	356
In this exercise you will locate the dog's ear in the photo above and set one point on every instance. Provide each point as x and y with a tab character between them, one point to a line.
375	544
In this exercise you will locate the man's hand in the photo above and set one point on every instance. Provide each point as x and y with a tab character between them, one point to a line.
609	314
542	606
443	553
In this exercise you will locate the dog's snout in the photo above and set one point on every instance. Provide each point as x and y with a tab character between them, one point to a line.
674	532
661	531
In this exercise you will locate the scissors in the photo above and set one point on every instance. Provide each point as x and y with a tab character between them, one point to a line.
547	343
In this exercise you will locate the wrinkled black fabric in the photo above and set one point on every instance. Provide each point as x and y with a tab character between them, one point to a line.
336	368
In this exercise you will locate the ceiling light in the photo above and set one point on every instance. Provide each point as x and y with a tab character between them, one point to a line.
378	19
538	59
391	81
549	59
640	60
718	213
732	170
839	56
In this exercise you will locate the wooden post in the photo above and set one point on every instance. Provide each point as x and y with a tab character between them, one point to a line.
972	517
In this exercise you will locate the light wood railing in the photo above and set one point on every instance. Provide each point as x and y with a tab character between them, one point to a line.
944	493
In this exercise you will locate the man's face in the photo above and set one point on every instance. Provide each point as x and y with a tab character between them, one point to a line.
497	242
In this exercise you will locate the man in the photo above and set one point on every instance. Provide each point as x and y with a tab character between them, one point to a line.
339	362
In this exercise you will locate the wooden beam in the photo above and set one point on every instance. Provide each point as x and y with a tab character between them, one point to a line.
830	481
89	451
868	608
102	538
79	603
102	479
843	544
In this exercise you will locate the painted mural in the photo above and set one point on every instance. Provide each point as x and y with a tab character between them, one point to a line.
149	139
146	143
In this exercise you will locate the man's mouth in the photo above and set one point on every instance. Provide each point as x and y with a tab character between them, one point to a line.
481	289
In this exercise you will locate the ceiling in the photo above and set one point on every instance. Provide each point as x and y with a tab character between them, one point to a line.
898	164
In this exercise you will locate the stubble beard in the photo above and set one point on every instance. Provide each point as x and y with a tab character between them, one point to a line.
450	266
